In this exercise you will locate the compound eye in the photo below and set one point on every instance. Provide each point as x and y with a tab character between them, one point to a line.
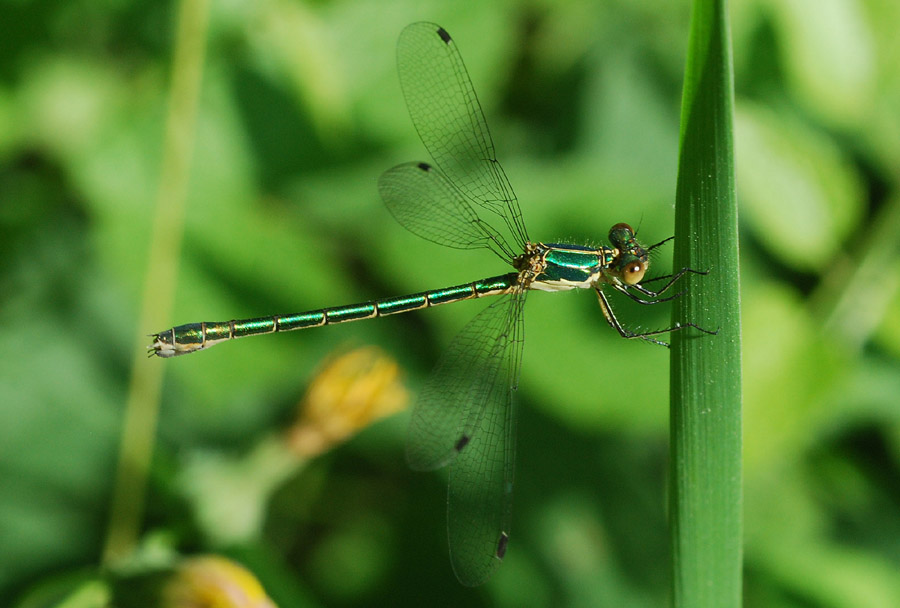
634	272
620	234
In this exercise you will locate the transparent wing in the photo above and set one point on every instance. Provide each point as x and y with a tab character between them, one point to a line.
464	414
479	493
463	385
425	203
448	117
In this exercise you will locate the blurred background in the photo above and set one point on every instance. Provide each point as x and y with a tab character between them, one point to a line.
298	113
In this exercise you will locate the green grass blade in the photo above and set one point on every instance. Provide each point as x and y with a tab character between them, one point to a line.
145	386
705	423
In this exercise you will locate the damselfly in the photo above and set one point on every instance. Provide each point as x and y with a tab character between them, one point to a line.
465	414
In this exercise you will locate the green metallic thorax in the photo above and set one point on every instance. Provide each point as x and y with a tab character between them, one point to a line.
565	267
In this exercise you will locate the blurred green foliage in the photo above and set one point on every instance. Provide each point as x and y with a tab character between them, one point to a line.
300	111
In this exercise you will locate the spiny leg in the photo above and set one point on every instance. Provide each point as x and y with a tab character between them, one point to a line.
659	244
624	289
614	322
646	335
672	278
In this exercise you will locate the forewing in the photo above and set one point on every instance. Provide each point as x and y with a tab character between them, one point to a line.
448	117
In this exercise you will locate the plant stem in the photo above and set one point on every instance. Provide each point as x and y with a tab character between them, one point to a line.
142	407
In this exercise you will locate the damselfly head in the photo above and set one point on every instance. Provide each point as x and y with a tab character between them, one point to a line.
631	262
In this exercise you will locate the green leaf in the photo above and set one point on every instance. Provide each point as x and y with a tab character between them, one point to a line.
801	194
705	492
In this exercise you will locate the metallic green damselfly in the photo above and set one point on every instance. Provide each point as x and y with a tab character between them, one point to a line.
464	415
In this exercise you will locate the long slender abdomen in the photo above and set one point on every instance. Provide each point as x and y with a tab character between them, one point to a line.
192	337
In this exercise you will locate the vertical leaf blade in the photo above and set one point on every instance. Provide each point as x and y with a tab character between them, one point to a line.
705	495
